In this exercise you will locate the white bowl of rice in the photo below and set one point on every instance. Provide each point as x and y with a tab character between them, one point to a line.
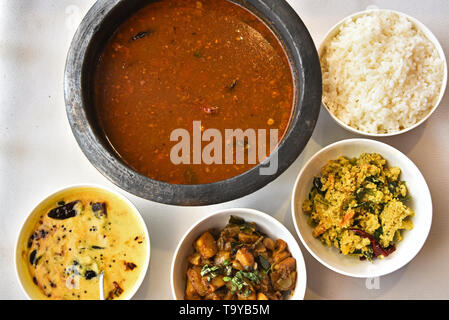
384	72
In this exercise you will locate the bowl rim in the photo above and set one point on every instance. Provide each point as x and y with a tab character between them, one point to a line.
78	186
243	211
306	73
294	211
429	35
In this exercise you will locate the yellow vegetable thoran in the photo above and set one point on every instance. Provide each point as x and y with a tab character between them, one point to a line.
358	206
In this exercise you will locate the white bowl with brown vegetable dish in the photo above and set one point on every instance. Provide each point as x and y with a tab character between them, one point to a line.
238	254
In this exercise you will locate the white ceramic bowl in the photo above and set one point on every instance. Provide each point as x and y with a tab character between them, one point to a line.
331	33
24	277
420	201
218	220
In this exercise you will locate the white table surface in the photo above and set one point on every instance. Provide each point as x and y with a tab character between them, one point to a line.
38	153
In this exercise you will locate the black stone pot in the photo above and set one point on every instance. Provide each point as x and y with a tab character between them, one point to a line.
96	28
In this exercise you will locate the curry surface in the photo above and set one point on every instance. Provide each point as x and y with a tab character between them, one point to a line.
64	257
177	61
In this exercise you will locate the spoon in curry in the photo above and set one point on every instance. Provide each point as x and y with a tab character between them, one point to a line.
101	284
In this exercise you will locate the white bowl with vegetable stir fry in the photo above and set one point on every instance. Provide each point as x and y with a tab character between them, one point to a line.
238	254
362	208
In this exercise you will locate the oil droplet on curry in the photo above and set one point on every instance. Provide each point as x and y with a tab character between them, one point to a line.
79	235
179	61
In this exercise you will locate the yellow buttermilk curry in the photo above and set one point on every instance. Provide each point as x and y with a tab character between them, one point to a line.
240	263
178	61
359	206
79	235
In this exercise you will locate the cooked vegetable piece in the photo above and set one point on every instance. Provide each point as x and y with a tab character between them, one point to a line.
191	293
221	257
194	276
89	274
269	244
245	258
283	282
66	211
33	256
281	252
279	256
195	258
264	263
248	238
140	35
212	296
261	296
213	284
206	245
115	292
283	275
130	266
99	209
287	265
237	265
236	220
34	260
281	245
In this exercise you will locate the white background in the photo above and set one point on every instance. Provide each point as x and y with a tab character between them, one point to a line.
38	153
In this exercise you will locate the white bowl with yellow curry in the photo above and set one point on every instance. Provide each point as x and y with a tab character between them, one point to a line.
76	234
361	208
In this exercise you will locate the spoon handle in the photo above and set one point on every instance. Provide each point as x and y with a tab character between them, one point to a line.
101	284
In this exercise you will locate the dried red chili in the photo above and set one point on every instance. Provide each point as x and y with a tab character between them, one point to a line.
378	250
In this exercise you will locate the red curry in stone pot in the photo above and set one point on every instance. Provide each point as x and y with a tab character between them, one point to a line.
178	61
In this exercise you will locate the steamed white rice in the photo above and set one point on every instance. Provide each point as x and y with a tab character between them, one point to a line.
381	74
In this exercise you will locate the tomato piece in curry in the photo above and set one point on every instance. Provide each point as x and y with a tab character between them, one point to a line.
178	61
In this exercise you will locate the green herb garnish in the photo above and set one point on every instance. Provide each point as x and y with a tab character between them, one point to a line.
228	270
375	180
247	293
212	272
379	231
238	282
